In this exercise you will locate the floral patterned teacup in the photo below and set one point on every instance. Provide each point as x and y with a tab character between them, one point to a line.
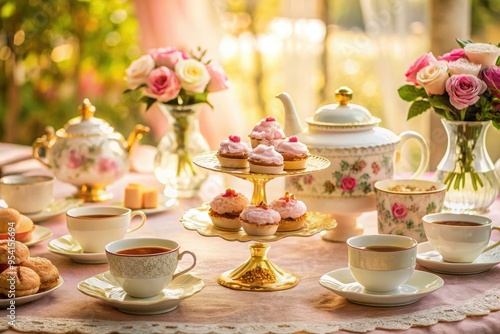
401	204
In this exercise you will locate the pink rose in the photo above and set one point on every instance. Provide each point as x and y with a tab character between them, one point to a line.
464	90
420	63
168	56
106	165
75	160
137	72
491	77
163	84
453	55
218	78
348	183
399	211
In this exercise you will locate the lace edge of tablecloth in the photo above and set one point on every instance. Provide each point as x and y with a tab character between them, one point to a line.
479	305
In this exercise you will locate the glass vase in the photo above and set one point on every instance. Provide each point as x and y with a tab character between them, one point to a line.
467	169
183	140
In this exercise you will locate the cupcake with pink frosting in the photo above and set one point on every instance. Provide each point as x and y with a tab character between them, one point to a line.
266	132
259	220
293	212
225	210
233	153
265	160
294	153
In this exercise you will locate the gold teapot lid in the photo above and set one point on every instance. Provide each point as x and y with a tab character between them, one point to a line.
86	123
344	113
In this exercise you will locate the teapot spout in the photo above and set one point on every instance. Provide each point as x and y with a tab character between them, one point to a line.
137	134
292	122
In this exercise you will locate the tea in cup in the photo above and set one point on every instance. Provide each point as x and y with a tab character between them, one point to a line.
27	194
144	266
381	262
401	204
93	227
459	237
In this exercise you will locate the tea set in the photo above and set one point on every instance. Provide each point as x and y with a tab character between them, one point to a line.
90	155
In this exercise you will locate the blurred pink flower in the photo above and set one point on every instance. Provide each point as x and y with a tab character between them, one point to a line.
163	84
399	211
75	160
218	78
420	63
348	183
464	90
106	165
453	55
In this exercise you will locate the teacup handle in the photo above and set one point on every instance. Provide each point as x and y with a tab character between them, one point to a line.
496	243
143	220
187	269
424	151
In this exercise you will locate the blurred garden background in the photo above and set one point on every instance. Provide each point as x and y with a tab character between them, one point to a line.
55	53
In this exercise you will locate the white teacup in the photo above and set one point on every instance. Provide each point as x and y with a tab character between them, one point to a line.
27	194
144	266
93	227
381	262
459	237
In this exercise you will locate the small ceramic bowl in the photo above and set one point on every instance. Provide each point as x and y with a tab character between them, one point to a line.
401	204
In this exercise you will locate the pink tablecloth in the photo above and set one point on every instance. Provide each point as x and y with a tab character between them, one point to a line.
308	306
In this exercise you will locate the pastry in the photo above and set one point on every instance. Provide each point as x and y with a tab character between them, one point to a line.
7	217
233	153
19	281
292	211
267	129
49	275
265	160
259	220
294	153
225	210
19	255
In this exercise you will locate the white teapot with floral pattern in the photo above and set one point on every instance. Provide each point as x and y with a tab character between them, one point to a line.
360	152
87	153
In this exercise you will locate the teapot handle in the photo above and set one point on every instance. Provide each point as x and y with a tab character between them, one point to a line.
46	142
424	151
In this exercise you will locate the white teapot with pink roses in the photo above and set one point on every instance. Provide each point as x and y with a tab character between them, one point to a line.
87	153
360	153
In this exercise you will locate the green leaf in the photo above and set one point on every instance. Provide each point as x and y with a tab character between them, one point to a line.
148	100
463	42
410	93
441	102
417	108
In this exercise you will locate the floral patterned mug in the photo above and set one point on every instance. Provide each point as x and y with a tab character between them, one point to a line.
401	204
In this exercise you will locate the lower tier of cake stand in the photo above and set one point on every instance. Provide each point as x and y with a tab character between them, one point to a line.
258	273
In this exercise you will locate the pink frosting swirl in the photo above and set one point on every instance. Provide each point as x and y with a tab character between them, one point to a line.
260	215
233	203
291	146
267	128
266	154
289	207
231	146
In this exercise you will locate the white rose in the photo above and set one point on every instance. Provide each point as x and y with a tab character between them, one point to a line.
463	66
137	72
433	77
482	53
193	74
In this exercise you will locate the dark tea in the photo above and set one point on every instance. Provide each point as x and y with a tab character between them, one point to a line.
144	250
457	223
385	248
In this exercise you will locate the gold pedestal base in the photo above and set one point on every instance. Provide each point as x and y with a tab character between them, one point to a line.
258	273
93	193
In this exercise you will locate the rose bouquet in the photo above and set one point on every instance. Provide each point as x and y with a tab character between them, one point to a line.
462	85
179	82
174	77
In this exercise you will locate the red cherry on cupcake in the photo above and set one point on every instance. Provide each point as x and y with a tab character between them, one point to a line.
293	139
235	139
230	193
270	119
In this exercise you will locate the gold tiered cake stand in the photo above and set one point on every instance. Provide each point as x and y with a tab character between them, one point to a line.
258	273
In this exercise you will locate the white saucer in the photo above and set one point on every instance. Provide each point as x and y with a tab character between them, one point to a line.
419	285
104	287
55	208
432	260
5	302
164	203
40	234
68	247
